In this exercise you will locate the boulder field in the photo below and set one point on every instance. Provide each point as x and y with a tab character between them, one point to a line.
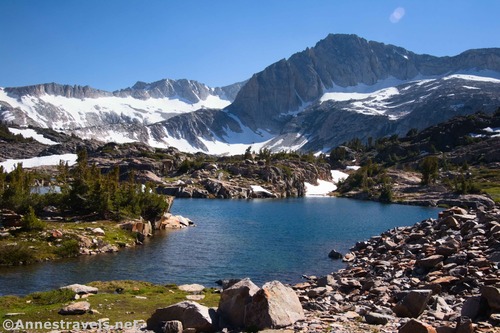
435	276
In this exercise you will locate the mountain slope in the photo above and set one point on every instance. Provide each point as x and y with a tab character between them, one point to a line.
337	117
67	107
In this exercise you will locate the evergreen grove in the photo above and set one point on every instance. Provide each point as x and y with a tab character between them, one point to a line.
84	190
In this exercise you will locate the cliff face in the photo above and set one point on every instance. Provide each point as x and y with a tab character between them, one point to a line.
58	90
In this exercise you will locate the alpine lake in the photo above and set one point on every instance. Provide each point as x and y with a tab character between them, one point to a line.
263	239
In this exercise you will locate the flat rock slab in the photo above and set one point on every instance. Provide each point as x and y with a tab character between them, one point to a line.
377	318
195	297
192	288
81	289
77	308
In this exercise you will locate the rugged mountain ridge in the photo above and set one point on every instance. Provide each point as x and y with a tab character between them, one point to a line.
343	87
189	90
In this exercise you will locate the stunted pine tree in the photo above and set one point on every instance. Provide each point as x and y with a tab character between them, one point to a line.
429	168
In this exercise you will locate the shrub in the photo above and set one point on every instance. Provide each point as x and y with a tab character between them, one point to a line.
32	223
68	248
15	255
52	296
386	195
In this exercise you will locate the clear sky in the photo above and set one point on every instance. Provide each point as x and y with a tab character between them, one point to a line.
111	44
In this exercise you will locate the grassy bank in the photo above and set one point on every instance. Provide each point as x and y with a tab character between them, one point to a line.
60	240
135	300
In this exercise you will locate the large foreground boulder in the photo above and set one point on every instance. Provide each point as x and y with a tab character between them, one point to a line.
273	306
190	314
233	302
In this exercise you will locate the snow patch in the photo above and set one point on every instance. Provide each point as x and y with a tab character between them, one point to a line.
338	175
375	103
259	189
352	167
492	130
30	133
323	188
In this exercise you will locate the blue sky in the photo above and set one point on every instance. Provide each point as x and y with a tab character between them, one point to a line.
111	44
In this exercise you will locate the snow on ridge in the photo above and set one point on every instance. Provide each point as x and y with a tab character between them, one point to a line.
470	77
77	110
30	133
10	165
379	95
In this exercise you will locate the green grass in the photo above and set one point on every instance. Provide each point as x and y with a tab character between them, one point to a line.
137	301
493	192
25	247
488	181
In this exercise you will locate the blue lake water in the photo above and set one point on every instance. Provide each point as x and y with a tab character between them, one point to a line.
261	239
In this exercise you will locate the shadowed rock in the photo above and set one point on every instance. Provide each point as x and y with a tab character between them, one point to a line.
190	314
233	301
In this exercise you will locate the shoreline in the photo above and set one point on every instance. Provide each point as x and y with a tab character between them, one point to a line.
381	272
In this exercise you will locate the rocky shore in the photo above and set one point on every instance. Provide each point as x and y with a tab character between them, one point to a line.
436	276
